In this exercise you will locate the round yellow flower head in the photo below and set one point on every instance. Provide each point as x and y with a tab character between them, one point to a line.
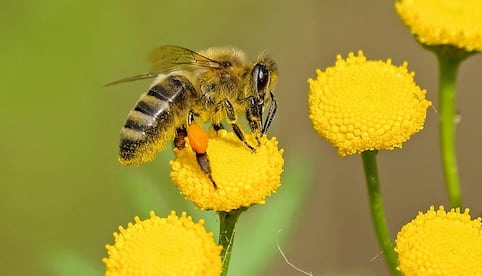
441	243
436	22
242	177
163	246
361	105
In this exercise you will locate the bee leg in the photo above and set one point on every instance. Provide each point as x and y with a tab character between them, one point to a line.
218	127
179	141
271	112
232	120
195	132
203	162
190	117
254	115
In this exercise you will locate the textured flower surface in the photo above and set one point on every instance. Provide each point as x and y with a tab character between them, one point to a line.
243	178
441	243
436	22
163	246
361	105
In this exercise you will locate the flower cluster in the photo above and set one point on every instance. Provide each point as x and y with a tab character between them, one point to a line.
361	105
243	178
435	22
163	246
441	243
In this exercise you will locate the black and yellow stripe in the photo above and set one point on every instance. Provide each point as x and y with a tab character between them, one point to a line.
153	114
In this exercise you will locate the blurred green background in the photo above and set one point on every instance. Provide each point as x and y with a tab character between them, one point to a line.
62	192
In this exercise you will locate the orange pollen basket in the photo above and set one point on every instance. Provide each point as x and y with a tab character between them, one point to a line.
198	138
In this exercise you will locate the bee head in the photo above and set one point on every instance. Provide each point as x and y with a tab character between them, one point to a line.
264	76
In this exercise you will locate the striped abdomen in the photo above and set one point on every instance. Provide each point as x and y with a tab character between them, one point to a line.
144	132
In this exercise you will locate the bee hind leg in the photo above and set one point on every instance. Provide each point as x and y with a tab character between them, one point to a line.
203	162
198	138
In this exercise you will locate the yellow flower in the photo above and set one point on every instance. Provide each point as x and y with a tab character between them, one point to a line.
361	105
436	22
441	243
163	246
243	178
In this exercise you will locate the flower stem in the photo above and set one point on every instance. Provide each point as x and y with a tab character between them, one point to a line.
376	207
447	84
227	225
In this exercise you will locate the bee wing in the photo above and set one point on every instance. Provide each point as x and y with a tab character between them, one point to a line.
172	58
134	78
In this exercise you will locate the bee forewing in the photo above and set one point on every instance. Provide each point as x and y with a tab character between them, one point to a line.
166	59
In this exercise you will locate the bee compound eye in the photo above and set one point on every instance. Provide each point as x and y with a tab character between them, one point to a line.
261	74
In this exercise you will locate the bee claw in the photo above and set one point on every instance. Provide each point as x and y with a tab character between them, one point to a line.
258	141
251	148
212	180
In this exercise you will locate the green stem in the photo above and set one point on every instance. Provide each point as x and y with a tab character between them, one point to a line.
447	85
376	207
227	226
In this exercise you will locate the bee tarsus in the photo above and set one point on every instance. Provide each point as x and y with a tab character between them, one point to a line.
203	162
218	127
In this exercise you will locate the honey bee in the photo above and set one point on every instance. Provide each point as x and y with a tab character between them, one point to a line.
209	86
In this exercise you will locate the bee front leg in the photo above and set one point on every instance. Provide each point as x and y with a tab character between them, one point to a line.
254	113
232	120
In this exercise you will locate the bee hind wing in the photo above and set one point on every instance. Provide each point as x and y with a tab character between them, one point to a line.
134	78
